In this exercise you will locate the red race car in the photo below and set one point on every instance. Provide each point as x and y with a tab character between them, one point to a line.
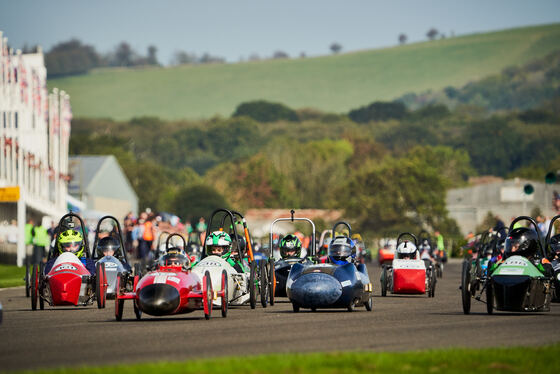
65	279
172	288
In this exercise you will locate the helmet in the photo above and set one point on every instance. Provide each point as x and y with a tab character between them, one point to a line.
71	241
108	243
218	241
341	250
407	249
174	258
522	241
425	245
290	243
555	244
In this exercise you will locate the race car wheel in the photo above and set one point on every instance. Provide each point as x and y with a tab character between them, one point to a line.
137	311
489	297
466	286
40	288
295	307
271	282
119	303
207	295
351	307
253	285
27	280
225	293
34	286
433	288
100	287
384	281
439	270
263	283
369	304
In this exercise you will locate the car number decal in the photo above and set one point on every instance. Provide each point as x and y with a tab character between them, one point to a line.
512	270
160	278
346	283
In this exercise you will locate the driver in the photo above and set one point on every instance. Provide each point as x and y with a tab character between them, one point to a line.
107	247
72	241
342	251
174	258
290	247
218	243
523	241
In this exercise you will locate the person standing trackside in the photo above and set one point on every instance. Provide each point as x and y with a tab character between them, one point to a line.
41	241
29	236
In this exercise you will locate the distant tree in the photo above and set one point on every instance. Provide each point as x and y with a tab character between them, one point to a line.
209	59
432	33
254	57
264	111
335	48
193	202
152	59
123	55
71	57
280	54
302	55
182	57
403	38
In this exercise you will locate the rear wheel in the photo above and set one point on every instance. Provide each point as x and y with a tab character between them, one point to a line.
384	281
27	280
263	283
100	285
253	285
351	307
271	282
119	303
207	295
466	286
489	297
225	293
34	286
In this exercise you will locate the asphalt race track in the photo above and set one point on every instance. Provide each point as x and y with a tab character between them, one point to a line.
58	337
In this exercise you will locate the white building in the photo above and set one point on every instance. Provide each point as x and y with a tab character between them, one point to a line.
34	139
504	198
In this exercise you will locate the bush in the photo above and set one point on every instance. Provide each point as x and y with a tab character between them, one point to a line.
378	111
264	111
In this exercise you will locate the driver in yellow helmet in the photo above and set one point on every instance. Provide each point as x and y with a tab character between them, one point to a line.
72	241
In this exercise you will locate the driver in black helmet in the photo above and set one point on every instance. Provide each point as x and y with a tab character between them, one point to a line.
523	241
110	248
174	258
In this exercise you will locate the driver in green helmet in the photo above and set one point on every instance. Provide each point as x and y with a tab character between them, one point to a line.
219	243
72	241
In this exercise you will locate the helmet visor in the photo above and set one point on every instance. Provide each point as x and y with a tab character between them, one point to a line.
71	246
340	250
512	245
215	250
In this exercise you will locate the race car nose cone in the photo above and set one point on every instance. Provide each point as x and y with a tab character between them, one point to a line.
315	290
158	299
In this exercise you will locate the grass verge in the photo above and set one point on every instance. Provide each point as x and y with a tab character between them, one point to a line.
11	276
540	360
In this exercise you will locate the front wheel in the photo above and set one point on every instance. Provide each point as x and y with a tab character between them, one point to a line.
271	282
225	293
369	304
137	311
253	285
34	286
489	297
207	295
100	285
263	283
27	280
465	286
295	307
384	281
119	303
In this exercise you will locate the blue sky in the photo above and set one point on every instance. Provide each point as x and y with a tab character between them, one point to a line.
235	29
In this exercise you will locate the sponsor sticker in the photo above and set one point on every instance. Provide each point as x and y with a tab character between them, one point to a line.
110	265
346	283
515	262
511	270
160	278
173	279
66	267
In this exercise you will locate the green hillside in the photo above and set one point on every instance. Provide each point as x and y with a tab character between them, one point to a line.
331	83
